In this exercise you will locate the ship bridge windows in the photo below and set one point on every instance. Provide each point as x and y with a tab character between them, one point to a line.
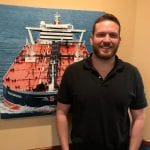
56	35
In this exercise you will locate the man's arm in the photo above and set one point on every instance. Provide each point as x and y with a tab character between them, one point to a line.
62	124
138	118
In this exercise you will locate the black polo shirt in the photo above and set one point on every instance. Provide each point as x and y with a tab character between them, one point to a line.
100	107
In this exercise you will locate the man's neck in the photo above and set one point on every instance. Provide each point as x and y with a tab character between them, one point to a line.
103	66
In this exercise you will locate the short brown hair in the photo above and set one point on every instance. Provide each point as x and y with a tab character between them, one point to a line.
104	17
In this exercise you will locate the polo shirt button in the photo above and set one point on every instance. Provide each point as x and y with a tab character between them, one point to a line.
99	77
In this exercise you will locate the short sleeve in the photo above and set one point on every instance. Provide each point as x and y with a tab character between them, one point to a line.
139	101
64	93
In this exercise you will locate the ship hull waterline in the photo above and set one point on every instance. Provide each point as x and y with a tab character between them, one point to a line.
33	99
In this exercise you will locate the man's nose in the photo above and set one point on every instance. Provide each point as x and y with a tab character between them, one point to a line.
107	37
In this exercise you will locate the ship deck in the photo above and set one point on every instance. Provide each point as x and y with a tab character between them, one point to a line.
32	66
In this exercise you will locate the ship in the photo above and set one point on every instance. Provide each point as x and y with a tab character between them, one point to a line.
34	77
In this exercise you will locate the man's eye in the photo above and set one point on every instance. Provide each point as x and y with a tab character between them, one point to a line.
113	35
101	35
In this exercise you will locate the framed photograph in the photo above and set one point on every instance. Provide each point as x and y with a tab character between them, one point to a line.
36	46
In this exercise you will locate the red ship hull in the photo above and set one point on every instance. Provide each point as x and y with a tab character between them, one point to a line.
26	82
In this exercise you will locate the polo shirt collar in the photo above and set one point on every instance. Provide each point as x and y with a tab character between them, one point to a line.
119	64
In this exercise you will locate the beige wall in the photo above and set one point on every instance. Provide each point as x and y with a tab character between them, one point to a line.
141	56
32	132
27	133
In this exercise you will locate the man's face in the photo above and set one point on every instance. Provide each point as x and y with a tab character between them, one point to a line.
106	39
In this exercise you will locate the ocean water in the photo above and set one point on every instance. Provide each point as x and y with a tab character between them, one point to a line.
14	19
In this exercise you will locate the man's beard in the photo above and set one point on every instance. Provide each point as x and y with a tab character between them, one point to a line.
97	51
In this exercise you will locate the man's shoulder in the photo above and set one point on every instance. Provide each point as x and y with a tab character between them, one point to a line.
76	65
128	65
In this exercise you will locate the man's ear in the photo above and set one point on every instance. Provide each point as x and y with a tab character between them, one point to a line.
119	39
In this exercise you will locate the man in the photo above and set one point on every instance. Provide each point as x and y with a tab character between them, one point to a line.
100	91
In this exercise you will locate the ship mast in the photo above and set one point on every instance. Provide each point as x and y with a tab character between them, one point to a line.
54	57
51	86
57	19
